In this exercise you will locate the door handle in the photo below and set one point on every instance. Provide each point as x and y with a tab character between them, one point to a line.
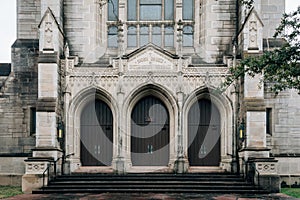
150	149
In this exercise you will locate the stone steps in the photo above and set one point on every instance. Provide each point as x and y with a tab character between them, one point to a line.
150	182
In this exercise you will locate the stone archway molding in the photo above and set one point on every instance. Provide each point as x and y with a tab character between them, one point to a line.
72	121
169	101
225	107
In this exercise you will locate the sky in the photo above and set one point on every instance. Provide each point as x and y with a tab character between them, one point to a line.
8	25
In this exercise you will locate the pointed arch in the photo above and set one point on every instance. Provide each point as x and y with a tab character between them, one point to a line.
224	106
160	94
85	98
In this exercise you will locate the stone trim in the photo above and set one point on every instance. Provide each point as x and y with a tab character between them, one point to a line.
46	105
46	149
255	104
224	105
255	149
51	57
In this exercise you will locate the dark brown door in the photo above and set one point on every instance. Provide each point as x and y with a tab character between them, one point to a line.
204	134
96	134
150	133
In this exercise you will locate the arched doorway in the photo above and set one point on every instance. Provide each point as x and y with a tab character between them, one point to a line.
150	133
204	134
96	134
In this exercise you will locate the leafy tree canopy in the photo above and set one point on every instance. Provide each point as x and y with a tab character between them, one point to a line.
281	66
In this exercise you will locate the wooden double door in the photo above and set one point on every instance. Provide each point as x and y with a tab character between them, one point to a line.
204	134
150	133
96	134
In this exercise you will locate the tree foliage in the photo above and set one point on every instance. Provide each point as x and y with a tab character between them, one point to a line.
279	67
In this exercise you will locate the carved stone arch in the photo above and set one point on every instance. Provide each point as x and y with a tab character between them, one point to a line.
170	103
225	108
76	106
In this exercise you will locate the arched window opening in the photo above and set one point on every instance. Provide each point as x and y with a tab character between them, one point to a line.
188	36
112	39
131	36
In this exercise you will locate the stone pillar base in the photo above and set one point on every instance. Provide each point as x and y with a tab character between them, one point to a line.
228	164
181	166
32	182
119	165
74	164
33	178
265	173
269	182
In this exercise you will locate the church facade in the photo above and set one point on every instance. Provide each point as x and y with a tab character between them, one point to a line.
128	86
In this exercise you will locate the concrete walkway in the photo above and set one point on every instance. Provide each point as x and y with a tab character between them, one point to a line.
150	196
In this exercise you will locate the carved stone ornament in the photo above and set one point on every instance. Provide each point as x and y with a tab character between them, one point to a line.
266	168
253	34
150	60
48	33
36	167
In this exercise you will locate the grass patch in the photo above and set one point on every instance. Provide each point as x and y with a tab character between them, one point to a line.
294	192
9	191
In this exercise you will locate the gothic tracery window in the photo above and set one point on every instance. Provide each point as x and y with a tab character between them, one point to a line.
153	21
112	30
150	21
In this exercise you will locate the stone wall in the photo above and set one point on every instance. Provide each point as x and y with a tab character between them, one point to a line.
217	29
285	136
28	18
56	7
270	12
11	170
284	140
18	95
80	25
289	170
86	29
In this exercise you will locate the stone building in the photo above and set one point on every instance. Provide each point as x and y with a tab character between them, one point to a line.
131	86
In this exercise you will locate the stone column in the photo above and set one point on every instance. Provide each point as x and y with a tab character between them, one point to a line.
119	164
47	150
259	166
181	164
255	154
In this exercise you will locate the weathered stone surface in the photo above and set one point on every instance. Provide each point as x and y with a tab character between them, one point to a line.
31	182
28	18
58	83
